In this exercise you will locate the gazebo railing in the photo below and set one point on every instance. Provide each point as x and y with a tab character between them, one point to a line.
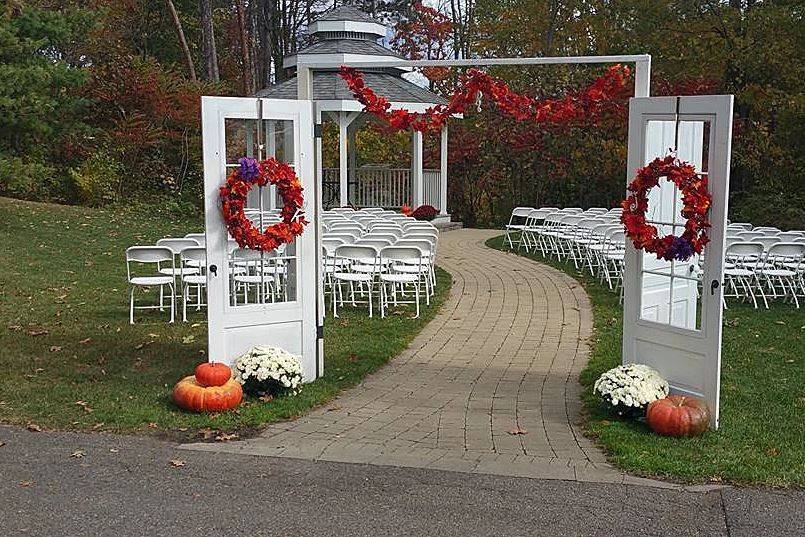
380	187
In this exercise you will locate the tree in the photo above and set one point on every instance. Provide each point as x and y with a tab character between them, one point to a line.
188	58
208	42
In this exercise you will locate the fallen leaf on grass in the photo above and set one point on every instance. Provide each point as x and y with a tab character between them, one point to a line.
266	398
177	463
27	483
152	335
78	454
152	425
84	405
55	348
97	426
188	339
779	322
85	341
37	332
34	428
226	437
15	328
206	433
517	431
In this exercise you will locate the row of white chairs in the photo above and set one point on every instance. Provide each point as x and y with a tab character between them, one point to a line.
760	262
378	253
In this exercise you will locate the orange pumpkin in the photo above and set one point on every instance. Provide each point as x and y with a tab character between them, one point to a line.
191	395
213	374
678	415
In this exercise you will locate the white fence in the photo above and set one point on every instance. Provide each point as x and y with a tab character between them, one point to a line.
380	187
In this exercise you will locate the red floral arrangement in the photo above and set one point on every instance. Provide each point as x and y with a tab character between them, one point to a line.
696	201
233	200
425	212
406	210
576	107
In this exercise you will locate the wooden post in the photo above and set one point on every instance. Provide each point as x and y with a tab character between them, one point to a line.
417	179
343	197
443	173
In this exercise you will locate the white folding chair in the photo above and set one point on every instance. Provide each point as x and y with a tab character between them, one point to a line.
783	271
394	258
352	271
153	255
740	270
193	257
516	224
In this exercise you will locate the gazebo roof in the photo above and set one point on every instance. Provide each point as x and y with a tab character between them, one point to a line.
343	35
328	85
346	13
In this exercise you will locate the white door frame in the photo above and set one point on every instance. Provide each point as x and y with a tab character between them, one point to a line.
689	359
293	324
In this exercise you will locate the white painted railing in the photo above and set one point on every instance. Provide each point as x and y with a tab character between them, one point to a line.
381	187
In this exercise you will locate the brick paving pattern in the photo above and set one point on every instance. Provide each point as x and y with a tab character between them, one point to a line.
503	355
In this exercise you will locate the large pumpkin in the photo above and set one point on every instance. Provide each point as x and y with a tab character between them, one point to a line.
191	395
678	415
213	374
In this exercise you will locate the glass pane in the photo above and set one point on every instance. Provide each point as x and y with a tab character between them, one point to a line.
261	277
670	290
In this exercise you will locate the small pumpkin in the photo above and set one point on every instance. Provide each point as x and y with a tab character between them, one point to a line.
191	395
213	374
678	415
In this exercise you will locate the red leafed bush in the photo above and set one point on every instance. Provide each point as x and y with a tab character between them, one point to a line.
425	212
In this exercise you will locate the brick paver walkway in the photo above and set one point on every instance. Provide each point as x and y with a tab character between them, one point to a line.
502	357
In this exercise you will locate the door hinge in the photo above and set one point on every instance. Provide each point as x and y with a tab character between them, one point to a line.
317	130
320	332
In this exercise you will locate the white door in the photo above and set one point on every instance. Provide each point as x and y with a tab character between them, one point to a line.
254	298
672	310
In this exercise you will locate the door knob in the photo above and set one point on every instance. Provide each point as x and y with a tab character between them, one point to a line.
713	286
213	270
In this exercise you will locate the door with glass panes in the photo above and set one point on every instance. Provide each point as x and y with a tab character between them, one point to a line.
673	309
259	298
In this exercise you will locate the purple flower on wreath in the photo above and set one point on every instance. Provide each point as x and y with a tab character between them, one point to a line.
681	249
249	170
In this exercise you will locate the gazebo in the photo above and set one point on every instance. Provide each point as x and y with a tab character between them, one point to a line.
346	34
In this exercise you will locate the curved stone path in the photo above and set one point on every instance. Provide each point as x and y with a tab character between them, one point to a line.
489	386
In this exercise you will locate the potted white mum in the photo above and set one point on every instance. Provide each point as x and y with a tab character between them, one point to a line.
266	370
629	388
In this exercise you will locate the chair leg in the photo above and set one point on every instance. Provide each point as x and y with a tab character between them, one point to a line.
173	302
131	305
185	298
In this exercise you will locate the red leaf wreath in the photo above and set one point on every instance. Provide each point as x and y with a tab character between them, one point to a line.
575	107
696	201
233	201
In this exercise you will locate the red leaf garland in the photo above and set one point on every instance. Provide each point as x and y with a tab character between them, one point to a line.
233	201
474	83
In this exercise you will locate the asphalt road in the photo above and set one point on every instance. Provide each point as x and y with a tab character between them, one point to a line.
68	484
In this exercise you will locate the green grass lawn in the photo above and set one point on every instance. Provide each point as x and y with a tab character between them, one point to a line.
70	359
761	439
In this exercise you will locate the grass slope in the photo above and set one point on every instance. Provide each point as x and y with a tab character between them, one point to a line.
761	439
71	360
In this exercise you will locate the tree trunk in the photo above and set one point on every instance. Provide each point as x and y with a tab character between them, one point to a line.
208	42
245	49
182	41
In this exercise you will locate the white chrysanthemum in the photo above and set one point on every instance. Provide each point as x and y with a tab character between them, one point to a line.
264	362
631	385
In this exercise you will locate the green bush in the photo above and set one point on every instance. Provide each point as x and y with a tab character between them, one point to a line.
97	180
24	178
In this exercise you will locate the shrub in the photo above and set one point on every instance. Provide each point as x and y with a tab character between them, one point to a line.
425	212
97	180
25	178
